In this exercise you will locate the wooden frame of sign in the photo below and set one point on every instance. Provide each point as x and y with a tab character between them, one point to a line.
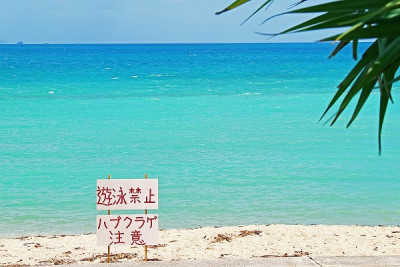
131	229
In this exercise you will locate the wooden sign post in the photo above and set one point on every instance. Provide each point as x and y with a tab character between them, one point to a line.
131	229
109	248
145	213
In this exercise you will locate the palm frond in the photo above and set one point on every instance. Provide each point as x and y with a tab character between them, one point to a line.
378	20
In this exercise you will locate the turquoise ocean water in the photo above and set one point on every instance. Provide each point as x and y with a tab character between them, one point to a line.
230	130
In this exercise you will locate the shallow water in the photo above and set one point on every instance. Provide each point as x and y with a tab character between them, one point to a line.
230	130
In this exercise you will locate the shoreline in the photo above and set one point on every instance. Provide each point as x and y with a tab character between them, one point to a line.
226	242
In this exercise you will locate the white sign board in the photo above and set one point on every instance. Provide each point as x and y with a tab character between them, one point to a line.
127	230
127	194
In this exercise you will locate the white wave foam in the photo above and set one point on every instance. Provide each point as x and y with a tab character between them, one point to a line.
248	93
161	75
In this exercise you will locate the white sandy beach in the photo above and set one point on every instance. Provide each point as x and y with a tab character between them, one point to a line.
254	241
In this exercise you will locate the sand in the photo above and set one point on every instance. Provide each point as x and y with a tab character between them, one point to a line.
253	241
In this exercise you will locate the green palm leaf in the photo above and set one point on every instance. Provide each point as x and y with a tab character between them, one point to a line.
235	4
362	20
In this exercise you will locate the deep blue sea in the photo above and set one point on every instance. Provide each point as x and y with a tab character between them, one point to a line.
231	131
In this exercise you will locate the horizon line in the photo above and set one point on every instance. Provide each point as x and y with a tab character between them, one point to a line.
172	43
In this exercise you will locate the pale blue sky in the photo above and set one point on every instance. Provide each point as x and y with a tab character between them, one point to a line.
141	21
